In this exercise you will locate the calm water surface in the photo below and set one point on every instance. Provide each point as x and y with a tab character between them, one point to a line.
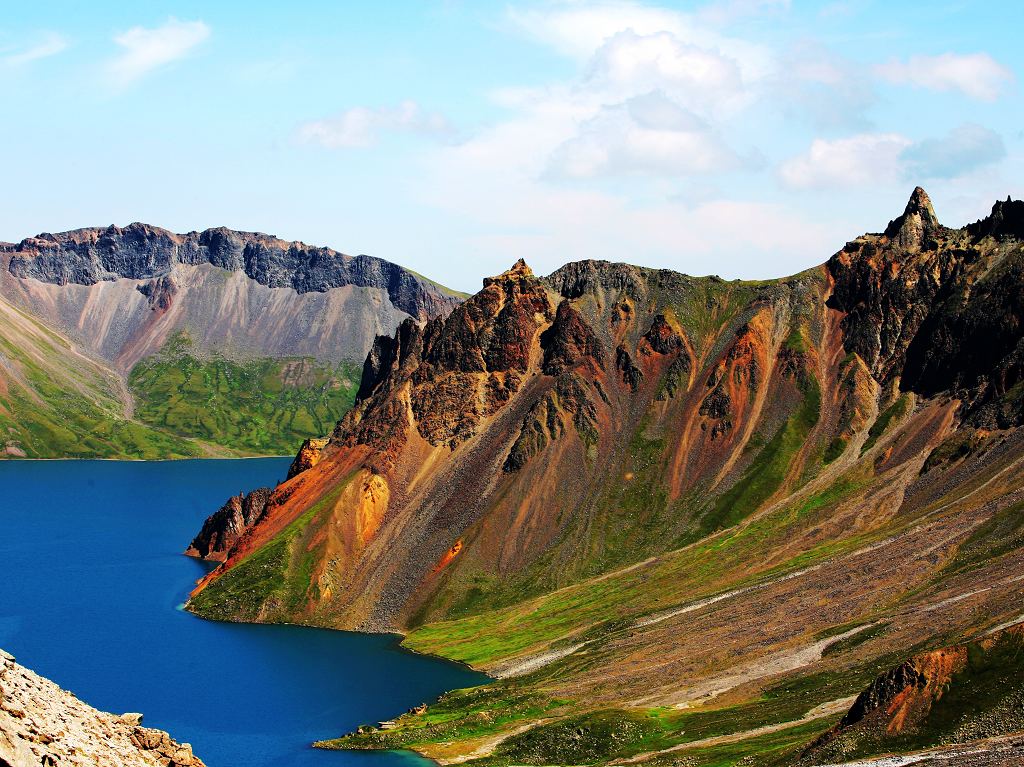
93	581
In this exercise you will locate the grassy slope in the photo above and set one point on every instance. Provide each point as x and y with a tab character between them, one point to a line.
55	403
281	569
266	406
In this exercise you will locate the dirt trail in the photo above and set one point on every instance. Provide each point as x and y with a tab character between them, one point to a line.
788	659
831	708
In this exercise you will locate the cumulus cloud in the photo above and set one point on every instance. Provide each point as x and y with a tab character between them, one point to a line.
629	63
649	135
963	150
48	45
977	75
847	162
577	30
144	50
879	158
363	126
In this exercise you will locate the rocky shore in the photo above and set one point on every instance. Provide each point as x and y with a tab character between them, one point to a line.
41	724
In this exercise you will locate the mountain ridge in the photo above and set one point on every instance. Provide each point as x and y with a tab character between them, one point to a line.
628	491
218	342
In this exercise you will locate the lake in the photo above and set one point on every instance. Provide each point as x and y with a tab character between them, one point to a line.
94	580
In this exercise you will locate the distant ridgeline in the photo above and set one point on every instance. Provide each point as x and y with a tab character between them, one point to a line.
140	343
667	510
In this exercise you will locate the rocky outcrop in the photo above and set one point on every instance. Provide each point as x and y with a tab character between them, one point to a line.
308	456
954	694
224	527
41	724
144	252
934	309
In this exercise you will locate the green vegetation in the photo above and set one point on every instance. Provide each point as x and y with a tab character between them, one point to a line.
584	739
278	573
1002	533
769	469
55	403
695	572
984	699
457	715
264	406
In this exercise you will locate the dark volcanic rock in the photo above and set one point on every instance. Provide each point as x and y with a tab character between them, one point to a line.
937	309
224	527
142	252
569	342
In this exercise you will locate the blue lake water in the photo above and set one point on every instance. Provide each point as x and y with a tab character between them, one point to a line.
93	580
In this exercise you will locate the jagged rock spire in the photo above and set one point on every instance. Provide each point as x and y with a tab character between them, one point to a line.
918	220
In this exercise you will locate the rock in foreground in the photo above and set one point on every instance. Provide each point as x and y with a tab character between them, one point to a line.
41	724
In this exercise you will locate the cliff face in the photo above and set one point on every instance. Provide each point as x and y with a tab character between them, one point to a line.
123	293
939	310
140	299
144	252
41	724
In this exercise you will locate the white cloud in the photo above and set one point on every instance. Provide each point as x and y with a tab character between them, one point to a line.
144	50
577	30
961	151
363	126
628	63
48	45
882	158
847	162
650	135
977	75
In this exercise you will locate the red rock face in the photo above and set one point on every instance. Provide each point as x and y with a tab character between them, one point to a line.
544	422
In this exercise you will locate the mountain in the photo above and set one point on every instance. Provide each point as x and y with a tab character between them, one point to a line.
239	340
673	516
42	724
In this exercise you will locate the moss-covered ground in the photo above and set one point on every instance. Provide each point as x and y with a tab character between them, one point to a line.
262	406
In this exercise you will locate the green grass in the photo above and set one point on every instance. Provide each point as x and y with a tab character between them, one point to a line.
984	699
1001	534
688	574
262	406
60	405
769	469
457	715
272	583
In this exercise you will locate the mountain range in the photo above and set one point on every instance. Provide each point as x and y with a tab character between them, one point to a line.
138	342
680	520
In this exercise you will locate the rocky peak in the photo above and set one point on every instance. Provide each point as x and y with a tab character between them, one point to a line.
589	277
1005	220
911	230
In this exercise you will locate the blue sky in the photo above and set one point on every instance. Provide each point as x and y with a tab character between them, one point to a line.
747	138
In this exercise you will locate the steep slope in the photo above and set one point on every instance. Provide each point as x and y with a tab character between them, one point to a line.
667	510
232	337
56	401
43	724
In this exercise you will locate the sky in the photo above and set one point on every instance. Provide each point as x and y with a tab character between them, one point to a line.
744	138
